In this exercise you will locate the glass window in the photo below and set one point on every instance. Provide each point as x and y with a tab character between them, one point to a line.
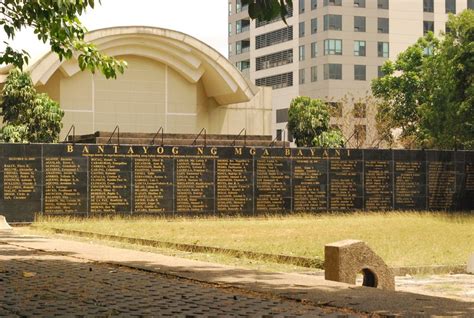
301	6
301	29
359	48
359	72
332	47
360	110
230	8
333	71
230	49
282	115
314	4
428	26
332	22
382	4
332	3
314	26
380	72
335	109
470	4
382	25
382	49
301	76
359	24
301	53
359	3
314	73
428	5
238	47
450	6
230	28
314	50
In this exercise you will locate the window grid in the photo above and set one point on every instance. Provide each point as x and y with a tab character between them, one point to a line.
382	49
274	37
359	24
360	72
259	23
276	81
332	47
314	25
333	71
314	73
450	6
274	60
314	50
382	25
332	22
301	53
359	48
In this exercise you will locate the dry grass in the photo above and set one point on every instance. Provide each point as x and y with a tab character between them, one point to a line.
402	239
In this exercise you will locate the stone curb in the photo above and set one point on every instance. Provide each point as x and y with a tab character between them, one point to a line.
276	258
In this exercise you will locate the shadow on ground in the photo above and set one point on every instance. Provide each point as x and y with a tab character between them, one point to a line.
69	275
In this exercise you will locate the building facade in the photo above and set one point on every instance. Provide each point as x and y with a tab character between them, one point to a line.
173	81
332	49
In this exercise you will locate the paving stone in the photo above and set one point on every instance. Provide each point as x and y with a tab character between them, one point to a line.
67	287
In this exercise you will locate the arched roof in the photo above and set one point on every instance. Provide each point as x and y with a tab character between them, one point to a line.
191	58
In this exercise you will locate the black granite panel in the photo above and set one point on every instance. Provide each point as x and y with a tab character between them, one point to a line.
410	180
65	179
110	184
153	184
441	180
234	186
310	184
272	183
346	187
195	186
378	180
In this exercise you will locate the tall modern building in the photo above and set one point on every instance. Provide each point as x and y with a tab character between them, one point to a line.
332	49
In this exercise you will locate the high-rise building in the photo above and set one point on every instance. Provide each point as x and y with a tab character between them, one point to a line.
332	49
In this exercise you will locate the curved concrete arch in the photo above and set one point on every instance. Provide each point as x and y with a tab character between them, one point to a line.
191	58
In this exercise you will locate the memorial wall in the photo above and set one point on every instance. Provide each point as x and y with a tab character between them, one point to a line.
88	180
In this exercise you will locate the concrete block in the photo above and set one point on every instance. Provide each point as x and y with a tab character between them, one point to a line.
3	224
345	259
470	264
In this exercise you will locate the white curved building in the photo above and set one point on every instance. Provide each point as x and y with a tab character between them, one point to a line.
172	81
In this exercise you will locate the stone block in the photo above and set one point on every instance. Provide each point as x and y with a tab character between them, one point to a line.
345	259
3	224
470	264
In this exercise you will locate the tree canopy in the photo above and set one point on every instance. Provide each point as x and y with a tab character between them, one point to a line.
268	9
56	22
428	91
308	122
27	115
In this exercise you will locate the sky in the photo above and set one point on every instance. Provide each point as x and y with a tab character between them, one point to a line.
205	19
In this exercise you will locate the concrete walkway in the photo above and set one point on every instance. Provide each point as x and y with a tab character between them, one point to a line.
303	288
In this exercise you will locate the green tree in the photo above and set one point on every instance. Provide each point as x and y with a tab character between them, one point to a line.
55	21
308	122
427	93
268	9
27	115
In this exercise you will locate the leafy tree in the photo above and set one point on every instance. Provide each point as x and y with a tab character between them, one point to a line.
427	93
28	116
268	9
55	21
308	122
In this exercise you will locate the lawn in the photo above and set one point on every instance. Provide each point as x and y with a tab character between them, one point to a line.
402	239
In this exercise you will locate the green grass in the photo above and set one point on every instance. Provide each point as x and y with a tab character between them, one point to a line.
401	239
